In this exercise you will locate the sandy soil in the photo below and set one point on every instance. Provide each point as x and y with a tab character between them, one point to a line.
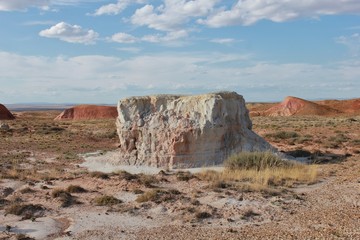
185	208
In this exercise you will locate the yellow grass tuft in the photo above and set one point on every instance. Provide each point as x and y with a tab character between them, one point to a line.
258	175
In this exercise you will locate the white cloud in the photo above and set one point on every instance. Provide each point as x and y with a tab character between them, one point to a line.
115	8
247	12
168	37
21	5
352	42
70	33
223	40
171	15
107	79
130	49
124	38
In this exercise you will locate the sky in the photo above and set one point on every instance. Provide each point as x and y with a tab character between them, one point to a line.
100	51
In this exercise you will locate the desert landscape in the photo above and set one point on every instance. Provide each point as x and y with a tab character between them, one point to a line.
59	181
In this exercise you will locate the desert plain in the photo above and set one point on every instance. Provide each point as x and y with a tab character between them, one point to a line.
47	192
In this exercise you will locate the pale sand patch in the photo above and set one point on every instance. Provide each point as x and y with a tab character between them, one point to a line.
109	162
41	228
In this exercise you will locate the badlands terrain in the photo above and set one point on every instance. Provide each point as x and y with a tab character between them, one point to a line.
49	188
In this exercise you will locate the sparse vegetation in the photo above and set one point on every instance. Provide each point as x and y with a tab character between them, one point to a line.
282	135
64	196
257	170
202	215
184	176
106	200
98	174
158	196
256	160
27	211
75	189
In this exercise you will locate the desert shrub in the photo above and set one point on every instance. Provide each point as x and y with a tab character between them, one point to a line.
106	200
147	180
64	196
125	175
3	202
339	138
184	176
75	189
355	142
202	215
255	160
27	190
26	210
158	196
282	135
98	174
138	191
249	214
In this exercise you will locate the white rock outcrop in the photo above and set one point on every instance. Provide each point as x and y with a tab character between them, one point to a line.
185	131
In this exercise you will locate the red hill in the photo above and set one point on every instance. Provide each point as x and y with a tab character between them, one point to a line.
87	112
297	106
5	114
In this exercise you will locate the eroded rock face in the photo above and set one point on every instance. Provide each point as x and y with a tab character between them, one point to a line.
185	131
5	114
88	112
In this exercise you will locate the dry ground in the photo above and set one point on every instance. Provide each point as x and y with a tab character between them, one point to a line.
45	194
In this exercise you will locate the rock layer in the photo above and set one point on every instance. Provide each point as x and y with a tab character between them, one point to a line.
185	131
5	114
87	112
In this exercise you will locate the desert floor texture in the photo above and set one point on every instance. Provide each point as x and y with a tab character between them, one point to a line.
46	193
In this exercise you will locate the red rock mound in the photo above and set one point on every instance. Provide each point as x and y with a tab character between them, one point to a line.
297	106
351	106
5	114
87	112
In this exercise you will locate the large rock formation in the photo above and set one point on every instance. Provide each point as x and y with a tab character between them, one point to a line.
87	112
5	114
296	106
185	131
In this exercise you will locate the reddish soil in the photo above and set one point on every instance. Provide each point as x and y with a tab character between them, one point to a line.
5	114
87	112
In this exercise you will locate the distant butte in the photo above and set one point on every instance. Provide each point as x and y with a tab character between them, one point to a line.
88	112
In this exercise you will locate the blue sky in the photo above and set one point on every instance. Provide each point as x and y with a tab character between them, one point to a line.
99	51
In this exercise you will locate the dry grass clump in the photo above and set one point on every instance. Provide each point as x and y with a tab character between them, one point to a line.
256	160
202	215
98	174
75	189
250	171
28	211
125	175
184	176
106	200
27	190
64	196
147	180
282	135
158	196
